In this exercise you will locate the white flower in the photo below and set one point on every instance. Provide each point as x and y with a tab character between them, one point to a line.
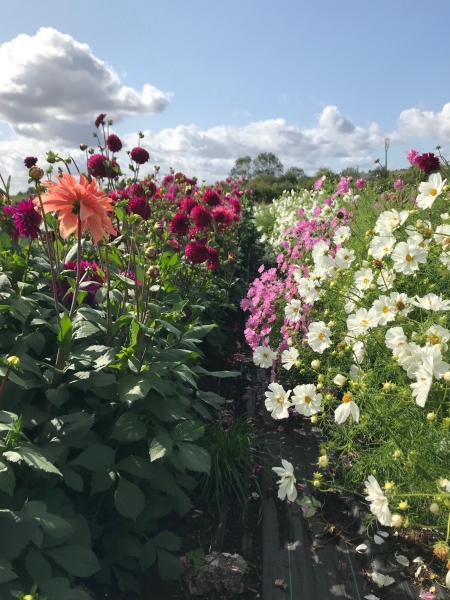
340	380
263	357
320	249
407	256
389	221
307	289
293	311
277	401
442	235
356	372
344	258
447	580
341	234
361	549
386	280
380	246
382	580
379	505
431	302
347	408
306	399
361	321
384	310
363	279
421	388
359	352
402	304
319	336
287	481
289	358
395	338
351	300
438	336
446	484
430	190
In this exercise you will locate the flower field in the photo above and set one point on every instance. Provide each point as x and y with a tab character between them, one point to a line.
353	323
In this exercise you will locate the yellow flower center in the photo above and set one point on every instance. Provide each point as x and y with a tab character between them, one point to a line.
385	309
308	399
280	400
435	339
433	192
346	398
321	336
346	257
386	249
408	257
365	280
265	355
296	310
364	322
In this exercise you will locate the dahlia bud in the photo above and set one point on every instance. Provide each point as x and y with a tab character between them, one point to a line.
397	521
14	361
158	228
36	173
83	147
151	252
319	386
316	483
321	377
153	272
28	597
290	342
434	508
298	363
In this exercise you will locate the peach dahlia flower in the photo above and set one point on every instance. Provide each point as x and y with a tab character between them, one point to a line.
70	198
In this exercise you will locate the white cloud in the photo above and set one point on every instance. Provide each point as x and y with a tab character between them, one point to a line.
51	86
424	124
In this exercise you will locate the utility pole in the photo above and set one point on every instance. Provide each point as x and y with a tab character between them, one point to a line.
386	148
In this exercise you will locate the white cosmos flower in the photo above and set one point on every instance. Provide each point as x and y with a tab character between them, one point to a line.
340	380
389	221
287	481
306	399
307	289
356	372
384	309
293	311
320	250
438	336
363	278
379	505
361	321
407	256
421	389
319	336
431	357
402	304
341	234
353	295
430	190
431	302
395	339
386	280
447	580
445	259
442	235
347	408
383	245
445	483
323	264
277	401
289	358
263	357
344	258
359	352
297	275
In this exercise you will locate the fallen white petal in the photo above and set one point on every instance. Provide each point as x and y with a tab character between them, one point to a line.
402	560
382	580
371	597
419	559
378	540
417	573
383	533
361	548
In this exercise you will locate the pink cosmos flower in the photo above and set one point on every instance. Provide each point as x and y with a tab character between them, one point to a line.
318	183
399	184
342	186
360	184
412	155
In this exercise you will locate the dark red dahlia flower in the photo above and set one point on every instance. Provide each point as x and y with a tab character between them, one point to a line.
235	205
149	187
223	216
100	120
201	216
7	222
429	163
187	204
199	235
136	189
213	259
139	206
27	219
176	246
98	167
92	280
140	155
212	198
113	142
179	224
196	252
30	161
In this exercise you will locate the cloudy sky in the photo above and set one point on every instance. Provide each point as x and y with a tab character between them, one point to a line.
318	83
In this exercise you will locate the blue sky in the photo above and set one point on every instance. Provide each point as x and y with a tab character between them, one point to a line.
234	63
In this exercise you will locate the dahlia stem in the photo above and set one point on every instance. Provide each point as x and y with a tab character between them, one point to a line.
78	280
8	199
50	254
24	278
108	300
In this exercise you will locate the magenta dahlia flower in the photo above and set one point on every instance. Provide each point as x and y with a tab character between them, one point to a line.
179	224
201	216
7	221
428	163
139	206
223	216
98	167
92	279
176	246
113	142
235	205
168	180
196	252
187	204
27	219
140	155
30	161
212	198
136	189
100	120
213	259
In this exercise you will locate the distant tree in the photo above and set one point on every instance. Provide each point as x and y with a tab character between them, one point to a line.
324	171
294	173
350	172
267	163
243	167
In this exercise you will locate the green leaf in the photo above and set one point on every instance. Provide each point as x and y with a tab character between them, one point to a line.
195	458
160	446
65	334
59	587
196	556
58	396
102	481
169	566
220	374
170	327
37	566
167	540
126	581
129	428
7	478
133	387
211	398
136	465
85	330
6	572
72	479
17	530
188	431
50	523
77	560
32	458
197	333
95	458
129	499
147	556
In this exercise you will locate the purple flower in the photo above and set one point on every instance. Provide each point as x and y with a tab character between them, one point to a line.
412	155
428	163
27	219
360	183
399	184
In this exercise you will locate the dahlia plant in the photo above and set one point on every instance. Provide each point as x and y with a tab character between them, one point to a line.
357	318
